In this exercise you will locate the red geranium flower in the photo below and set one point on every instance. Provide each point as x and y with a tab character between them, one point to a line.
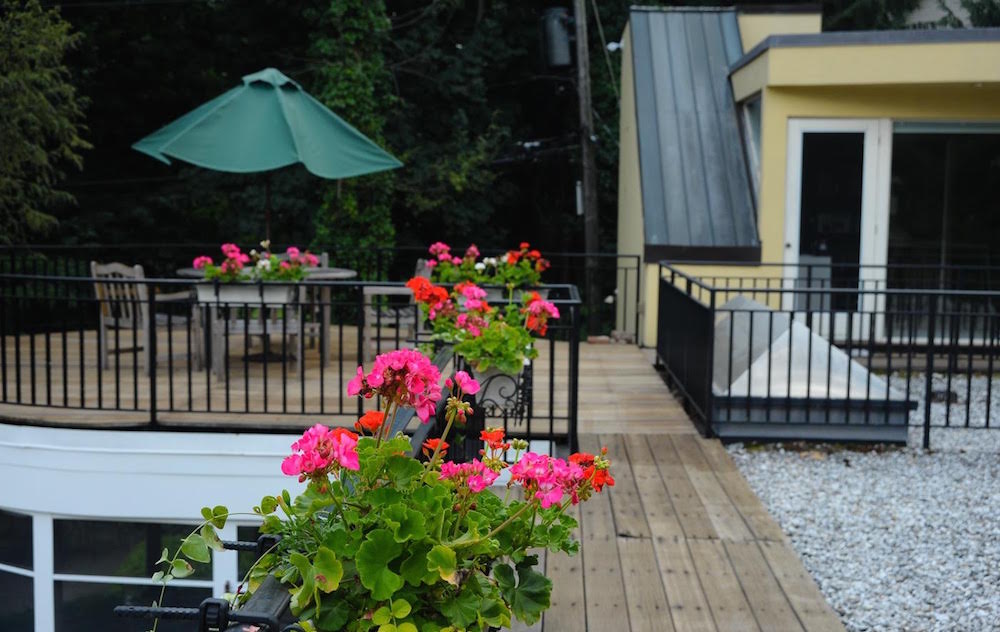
431	444
370	421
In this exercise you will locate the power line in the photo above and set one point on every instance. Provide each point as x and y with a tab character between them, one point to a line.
604	47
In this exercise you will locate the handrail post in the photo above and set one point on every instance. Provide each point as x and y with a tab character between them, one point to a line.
710	350
151	350
574	377
929	371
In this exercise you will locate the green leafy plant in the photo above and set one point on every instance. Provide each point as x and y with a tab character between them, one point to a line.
485	336
378	540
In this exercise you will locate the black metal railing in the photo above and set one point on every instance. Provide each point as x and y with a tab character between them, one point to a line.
799	355
183	353
616	276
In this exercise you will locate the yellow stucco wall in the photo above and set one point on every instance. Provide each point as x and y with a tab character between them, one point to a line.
754	27
912	103
869	65
630	228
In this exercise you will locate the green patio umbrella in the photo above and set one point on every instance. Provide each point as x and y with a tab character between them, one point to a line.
266	123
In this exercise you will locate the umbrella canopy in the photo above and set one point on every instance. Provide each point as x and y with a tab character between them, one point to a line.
267	123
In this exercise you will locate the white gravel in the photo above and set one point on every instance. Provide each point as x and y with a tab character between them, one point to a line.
898	541
950	429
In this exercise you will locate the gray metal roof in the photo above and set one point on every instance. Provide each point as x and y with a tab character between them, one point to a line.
696	195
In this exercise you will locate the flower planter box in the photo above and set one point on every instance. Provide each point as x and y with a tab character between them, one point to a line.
502	394
250	294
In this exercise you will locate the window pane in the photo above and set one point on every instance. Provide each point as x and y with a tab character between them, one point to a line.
246	558
15	539
86	607
17	602
119	549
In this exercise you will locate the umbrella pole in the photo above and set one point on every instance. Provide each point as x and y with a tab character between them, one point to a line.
267	207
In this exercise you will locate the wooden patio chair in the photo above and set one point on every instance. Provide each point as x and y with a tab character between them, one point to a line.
379	314
124	306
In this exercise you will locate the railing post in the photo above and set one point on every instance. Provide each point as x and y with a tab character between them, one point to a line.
710	350
151	347
574	377
929	371
361	339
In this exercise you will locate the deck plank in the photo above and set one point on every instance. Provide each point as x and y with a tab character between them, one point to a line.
803	594
628	511
723	591
768	602
687	503
568	611
604	590
647	604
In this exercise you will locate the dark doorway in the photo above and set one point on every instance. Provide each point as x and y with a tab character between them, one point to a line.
830	220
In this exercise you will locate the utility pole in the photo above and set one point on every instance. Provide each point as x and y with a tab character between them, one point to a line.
587	138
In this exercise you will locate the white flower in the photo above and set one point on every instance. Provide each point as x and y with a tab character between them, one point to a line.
264	264
480	266
491	261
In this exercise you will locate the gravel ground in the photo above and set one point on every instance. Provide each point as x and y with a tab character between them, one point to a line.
899	540
957	435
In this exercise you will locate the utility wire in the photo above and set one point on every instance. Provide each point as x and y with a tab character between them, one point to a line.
604	47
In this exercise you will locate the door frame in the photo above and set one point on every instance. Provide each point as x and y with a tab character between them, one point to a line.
875	188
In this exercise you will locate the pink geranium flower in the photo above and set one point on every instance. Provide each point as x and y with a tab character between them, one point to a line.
322	450
405	377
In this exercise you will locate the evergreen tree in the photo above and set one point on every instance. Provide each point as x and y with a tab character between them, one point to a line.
40	118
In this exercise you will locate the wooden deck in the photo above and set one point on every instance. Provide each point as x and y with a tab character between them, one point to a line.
680	543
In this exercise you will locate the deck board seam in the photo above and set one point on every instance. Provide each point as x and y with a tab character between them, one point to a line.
687	547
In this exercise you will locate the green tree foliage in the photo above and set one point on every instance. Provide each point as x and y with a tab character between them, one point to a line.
983	12
350	77
41	118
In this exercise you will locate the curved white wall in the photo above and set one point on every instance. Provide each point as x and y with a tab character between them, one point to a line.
137	474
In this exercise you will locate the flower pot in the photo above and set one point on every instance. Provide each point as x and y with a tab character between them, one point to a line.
245	293
501	394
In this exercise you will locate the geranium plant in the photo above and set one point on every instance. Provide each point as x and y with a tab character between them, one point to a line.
515	269
257	265
378	540
484	335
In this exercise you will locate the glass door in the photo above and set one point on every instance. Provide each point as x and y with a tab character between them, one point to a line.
836	223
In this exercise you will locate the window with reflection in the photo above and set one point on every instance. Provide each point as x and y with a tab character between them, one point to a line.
117	549
15	539
86	606
17	601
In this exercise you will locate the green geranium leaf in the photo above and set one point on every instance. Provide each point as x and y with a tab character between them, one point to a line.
405	523
406	626
403	469
343	543
301	596
327	570
195	548
374	555
387	627
384	496
529	597
495	613
268	504
442	559
211	538
219	515
181	568
461	610
165	556
401	608
382	615
414	568
333	617
206	513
